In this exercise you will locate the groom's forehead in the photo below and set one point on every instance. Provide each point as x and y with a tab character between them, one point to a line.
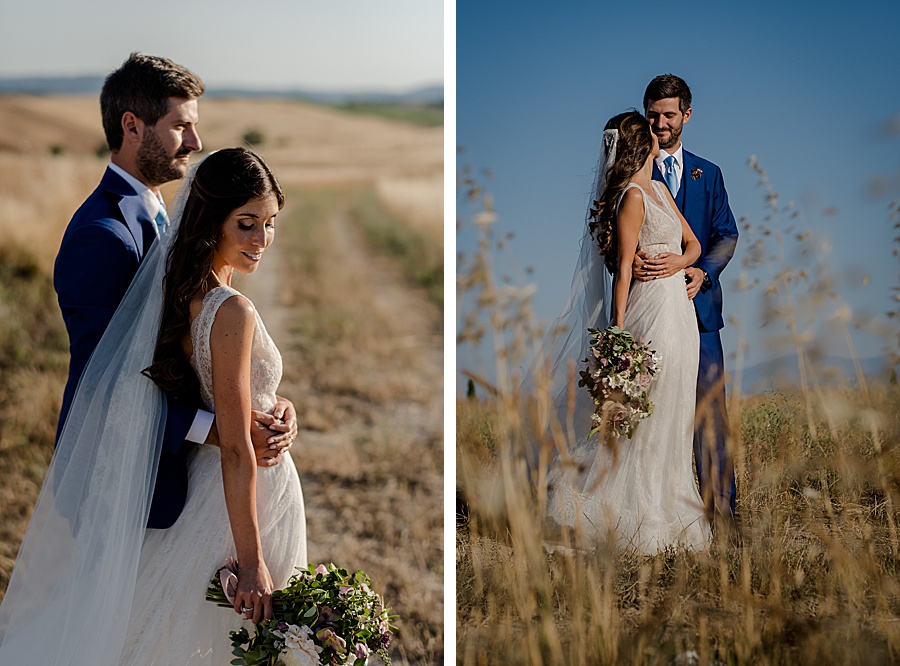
181	109
665	105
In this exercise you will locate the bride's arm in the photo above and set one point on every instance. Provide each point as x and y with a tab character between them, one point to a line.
230	342
628	221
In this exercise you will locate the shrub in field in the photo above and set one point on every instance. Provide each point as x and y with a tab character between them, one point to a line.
253	138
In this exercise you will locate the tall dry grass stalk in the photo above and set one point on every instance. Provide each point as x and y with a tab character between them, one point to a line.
810	574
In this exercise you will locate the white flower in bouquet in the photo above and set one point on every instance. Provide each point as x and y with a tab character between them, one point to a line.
299	648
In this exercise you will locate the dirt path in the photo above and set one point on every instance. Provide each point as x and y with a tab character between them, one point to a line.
369	450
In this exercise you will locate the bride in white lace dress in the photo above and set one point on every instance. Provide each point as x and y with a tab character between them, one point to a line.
644	492
259	518
92	585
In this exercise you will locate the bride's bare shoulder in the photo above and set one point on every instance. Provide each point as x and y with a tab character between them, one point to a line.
235	317
632	200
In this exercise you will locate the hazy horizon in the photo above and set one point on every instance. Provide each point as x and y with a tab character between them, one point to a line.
394	44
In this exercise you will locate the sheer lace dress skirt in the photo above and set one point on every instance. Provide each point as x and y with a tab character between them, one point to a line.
648	498
171	622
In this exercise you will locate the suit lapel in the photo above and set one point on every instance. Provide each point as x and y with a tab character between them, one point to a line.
134	213
684	192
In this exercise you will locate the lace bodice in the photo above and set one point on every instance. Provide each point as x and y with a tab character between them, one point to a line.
265	359
661	230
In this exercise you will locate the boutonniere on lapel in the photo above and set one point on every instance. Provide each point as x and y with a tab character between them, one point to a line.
696	173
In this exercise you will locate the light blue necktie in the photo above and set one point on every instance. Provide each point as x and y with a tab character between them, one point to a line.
670	175
162	221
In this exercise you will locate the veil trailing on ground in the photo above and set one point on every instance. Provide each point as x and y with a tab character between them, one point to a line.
70	595
553	377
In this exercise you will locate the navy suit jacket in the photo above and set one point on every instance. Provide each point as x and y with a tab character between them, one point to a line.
704	203
104	244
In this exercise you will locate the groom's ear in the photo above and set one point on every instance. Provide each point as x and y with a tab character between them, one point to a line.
687	115
132	128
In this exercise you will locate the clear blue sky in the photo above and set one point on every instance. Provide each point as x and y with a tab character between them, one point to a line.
812	89
317	44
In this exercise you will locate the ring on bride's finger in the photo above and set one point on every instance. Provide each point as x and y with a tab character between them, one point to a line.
247	610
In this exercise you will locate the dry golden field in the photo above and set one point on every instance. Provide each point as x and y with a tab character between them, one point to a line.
809	573
350	292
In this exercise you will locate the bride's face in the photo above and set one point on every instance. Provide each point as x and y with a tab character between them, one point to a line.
245	235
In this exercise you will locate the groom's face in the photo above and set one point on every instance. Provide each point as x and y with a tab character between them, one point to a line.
666	121
166	146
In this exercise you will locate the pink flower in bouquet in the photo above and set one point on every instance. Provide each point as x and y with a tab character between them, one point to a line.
228	578
331	639
616	412
361	651
644	380
327	614
322	569
343	589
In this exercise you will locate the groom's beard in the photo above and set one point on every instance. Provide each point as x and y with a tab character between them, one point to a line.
674	138
155	164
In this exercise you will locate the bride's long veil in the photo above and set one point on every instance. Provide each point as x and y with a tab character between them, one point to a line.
69	598
554	373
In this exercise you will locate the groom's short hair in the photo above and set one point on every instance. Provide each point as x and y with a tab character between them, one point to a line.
143	85
665	86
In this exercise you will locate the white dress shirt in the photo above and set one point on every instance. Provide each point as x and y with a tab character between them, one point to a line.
679	164
152	202
203	421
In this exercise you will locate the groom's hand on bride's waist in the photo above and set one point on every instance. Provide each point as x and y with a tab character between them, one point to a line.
638	270
271	436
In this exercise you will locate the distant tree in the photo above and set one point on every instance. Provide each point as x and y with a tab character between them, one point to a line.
253	137
102	150
56	150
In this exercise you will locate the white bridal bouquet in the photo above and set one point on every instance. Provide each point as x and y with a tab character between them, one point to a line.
325	616
618	375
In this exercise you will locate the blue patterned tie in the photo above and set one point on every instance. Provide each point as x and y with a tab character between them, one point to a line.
670	175
162	221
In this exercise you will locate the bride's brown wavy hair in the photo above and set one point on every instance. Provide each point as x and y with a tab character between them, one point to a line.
226	180
632	149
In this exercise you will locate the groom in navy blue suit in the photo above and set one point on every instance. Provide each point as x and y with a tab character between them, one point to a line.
150	112
699	192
